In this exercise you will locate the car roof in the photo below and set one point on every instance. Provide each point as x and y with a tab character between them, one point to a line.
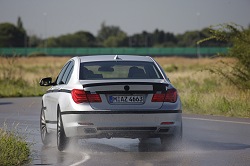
92	58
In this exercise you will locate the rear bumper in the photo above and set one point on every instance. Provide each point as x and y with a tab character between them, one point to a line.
107	124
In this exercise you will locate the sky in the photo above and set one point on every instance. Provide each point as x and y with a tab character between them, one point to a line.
47	18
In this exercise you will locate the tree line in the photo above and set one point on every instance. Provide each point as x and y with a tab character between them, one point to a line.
108	36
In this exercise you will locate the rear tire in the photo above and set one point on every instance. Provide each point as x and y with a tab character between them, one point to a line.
62	140
45	136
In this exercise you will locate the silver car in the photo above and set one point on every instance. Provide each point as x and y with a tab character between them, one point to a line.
110	96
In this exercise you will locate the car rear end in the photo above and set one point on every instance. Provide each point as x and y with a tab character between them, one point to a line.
118	100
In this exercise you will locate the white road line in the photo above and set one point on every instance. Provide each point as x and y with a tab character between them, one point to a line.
31	104
85	157
214	120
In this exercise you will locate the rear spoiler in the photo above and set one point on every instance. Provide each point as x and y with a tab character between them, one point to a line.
156	86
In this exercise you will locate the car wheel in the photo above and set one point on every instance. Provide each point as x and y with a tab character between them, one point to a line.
174	141
62	140
45	136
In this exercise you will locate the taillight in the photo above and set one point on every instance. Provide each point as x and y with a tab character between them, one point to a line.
158	97
169	96
80	96
94	98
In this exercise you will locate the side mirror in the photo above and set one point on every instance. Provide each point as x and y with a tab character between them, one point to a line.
46	81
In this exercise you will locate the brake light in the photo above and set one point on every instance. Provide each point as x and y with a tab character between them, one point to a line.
94	98
158	97
169	96
80	96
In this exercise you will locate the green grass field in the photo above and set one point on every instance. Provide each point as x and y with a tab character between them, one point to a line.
201	91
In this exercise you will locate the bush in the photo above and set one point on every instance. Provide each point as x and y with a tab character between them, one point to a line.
211	95
170	68
238	74
13	149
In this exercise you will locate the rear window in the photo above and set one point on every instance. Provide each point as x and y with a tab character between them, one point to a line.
118	70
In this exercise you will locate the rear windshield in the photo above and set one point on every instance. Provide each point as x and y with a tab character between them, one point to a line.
118	70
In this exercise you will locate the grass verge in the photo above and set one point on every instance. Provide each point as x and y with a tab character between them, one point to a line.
13	148
212	96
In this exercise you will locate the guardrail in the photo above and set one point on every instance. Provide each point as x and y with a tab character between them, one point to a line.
171	51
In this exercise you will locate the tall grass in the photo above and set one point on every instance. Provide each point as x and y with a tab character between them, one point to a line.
210	96
19	76
13	147
205	93
201	91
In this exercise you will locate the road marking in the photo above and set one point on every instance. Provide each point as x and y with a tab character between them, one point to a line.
85	157
31	104
214	120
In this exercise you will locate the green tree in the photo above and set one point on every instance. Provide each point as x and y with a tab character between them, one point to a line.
78	39
115	41
188	39
51	42
21	28
111	36
162	39
143	39
34	41
20	23
11	36
238	74
86	39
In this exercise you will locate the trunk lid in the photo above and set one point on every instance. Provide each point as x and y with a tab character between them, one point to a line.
125	94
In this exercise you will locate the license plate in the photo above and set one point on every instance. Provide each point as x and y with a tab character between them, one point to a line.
117	99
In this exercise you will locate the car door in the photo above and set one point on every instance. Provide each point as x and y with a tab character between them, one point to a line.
55	91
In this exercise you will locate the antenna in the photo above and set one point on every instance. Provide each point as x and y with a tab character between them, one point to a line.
117	58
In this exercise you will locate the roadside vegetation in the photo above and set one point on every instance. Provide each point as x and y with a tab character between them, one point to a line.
19	76
201	91
238	73
13	148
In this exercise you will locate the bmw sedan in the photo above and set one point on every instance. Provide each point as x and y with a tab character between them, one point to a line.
110	96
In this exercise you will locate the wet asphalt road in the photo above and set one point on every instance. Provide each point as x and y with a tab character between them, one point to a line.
207	140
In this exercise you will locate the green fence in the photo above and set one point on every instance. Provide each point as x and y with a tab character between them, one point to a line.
174	51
